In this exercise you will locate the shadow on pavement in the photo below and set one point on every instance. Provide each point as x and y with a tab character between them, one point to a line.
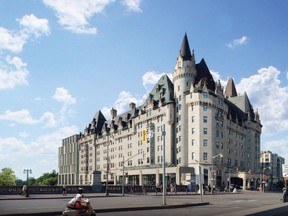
282	211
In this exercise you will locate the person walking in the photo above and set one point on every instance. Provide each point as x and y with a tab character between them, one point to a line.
64	190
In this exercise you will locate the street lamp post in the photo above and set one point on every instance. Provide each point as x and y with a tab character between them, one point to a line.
262	179
218	155
27	171
164	167
107	167
163	164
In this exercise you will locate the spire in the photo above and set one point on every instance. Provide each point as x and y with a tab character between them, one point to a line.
185	52
230	90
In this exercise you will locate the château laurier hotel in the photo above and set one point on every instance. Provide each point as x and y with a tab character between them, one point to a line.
205	128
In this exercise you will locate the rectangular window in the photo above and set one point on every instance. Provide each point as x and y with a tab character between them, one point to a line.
193	119
205	142
193	130
205	131
205	106
193	142
205	95
193	155
205	119
205	156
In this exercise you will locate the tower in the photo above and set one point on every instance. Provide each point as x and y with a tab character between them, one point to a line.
184	76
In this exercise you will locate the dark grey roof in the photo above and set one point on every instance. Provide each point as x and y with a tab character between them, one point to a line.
185	52
203	74
163	91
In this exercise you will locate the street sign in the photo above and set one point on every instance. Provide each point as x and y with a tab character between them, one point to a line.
285	170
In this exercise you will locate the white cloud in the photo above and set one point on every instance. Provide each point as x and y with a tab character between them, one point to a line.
122	103
237	42
43	150
132	5
22	116
48	118
34	25
150	78
74	14
269	97
63	95
23	134
14	41
13	72
11	41
277	146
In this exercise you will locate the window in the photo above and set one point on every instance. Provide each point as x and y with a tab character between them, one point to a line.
205	131
193	130
205	142
193	118
193	142
205	95
205	119
205	106
193	155
205	156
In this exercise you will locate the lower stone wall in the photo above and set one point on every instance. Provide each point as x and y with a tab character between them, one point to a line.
5	190
15	190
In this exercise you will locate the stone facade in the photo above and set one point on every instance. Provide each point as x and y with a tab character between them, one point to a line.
203	128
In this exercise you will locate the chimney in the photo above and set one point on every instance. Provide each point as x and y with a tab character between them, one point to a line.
113	113
132	106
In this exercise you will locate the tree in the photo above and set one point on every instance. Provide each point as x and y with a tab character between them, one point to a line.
48	179
7	177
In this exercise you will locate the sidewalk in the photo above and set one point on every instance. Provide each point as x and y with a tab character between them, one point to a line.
111	203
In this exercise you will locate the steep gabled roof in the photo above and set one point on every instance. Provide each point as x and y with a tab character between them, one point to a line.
203	73
230	90
163	91
98	122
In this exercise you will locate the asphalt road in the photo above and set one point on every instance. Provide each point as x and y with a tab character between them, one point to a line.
246	203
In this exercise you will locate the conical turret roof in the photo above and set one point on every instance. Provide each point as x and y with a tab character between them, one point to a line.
185	52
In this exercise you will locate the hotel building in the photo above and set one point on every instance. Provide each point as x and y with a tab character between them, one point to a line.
209	135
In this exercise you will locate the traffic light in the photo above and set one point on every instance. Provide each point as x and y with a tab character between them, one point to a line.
144	135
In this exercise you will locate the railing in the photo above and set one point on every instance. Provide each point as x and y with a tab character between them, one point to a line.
15	190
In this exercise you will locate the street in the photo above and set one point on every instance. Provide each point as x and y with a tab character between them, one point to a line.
246	203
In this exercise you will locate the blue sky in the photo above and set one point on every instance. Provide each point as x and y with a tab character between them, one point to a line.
63	60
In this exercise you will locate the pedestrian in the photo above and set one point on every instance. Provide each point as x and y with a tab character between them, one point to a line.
23	190
64	190
171	187
143	189
175	188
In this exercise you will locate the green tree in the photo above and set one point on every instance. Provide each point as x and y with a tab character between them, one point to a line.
7	177
48	179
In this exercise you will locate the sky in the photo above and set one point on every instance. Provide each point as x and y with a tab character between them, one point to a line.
61	61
